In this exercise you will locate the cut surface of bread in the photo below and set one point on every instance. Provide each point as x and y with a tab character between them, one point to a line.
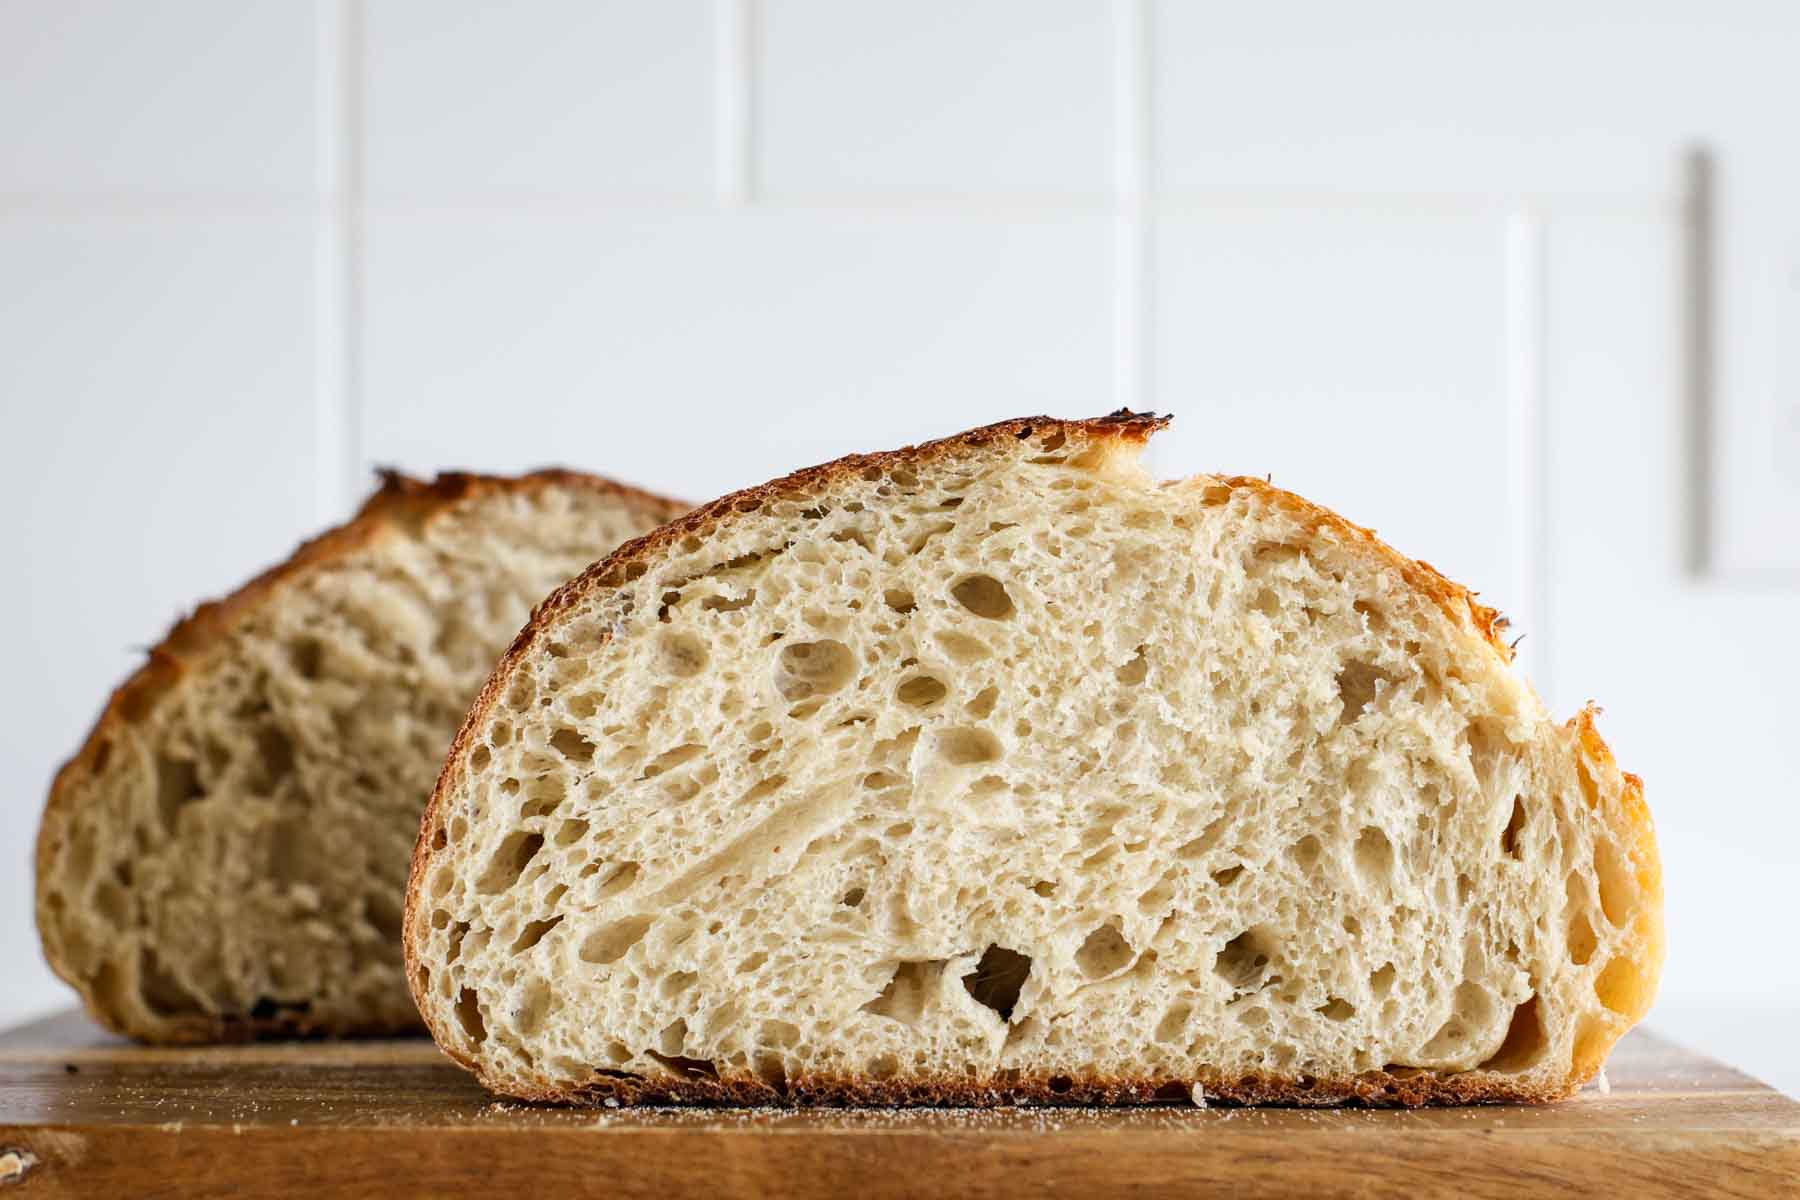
226	855
991	770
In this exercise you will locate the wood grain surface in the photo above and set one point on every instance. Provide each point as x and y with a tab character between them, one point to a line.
84	1114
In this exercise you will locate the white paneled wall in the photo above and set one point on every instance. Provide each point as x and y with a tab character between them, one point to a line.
1421	262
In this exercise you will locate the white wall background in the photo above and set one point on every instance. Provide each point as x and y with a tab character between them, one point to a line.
1422	262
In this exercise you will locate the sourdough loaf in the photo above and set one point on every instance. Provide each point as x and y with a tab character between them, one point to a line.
991	770
226	855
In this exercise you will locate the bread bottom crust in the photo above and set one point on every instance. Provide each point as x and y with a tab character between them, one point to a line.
1369	1089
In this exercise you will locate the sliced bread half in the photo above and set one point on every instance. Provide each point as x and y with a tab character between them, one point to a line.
226	855
990	770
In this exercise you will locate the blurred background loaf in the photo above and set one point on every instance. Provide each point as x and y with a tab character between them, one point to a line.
1519	288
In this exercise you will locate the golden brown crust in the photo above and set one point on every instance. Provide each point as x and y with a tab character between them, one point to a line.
399	503
1457	601
1406	1088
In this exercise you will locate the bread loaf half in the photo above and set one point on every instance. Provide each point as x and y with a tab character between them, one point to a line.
226	855
990	770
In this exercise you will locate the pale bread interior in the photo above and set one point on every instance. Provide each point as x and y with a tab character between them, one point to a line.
233	857
1009	768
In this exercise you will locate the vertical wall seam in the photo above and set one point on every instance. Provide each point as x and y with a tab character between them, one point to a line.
1527	442
353	209
328	366
736	38
1133	156
339	309
1697	384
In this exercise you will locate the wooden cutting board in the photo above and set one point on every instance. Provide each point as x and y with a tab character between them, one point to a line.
85	1114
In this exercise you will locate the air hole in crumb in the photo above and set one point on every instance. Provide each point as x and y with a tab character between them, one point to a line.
177	785
1154	898
884	1066
921	691
1244	960
1209	838
997	979
1472	1007
571	831
751	963
771	1068
908	991
688	1068
961	647
1525	1041
275	752
1509	837
1306	852
1359	684
1582	941
669	759
853	897
1173	1023
468	1014
1135	670
533	933
720	603
1104	952
1336	1009
805	669
966	745
984	596
682	655
572	746
1228	876
480	758
307	655
1374	854
1061	1085
899	599
622	877
609	943
919	540
677	982
509	862
534	1002
1044	887
1382	982
982	706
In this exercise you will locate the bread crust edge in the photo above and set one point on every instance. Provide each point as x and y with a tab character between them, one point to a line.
399	502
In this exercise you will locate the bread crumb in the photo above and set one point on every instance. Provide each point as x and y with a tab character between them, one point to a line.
1602	1083
1199	1095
